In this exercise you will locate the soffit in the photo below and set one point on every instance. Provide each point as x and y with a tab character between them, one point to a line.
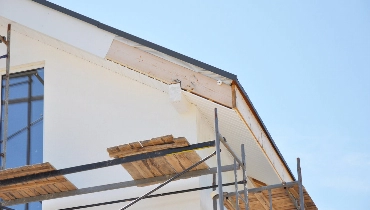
236	133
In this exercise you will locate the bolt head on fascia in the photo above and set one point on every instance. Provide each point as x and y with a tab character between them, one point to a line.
219	82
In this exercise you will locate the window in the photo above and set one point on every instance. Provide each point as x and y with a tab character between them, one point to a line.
25	122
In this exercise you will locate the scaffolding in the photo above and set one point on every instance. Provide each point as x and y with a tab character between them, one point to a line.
238	199
6	41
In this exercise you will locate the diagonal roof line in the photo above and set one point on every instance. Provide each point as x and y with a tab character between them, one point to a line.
255	113
137	39
170	53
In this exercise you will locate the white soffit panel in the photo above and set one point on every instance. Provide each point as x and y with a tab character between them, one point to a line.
236	133
175	60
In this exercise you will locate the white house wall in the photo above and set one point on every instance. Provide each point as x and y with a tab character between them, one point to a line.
90	43
88	108
91	104
57	25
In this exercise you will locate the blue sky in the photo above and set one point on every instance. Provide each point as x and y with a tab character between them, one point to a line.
304	64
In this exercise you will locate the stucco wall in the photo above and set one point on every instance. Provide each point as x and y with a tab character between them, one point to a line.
88	108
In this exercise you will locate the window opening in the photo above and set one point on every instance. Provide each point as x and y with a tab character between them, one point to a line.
25	122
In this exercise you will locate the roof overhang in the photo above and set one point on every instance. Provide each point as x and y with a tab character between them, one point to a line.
167	67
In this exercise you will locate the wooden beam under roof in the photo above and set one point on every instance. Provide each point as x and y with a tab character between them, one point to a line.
168	72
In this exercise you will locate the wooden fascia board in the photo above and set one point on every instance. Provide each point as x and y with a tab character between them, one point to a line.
248	115
169	73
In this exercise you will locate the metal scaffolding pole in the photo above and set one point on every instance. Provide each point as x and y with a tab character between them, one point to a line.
168	181
214	201
114	186
103	164
6	105
270	199
149	196
223	141
260	189
244	168
219	174
236	186
300	186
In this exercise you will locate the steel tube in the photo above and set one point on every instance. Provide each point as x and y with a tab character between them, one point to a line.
149	196
236	186
218	150
244	171
6	107
227	146
168	181
260	189
114	186
270	199
300	185
104	164
214	188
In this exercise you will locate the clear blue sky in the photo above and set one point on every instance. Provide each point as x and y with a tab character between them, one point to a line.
304	64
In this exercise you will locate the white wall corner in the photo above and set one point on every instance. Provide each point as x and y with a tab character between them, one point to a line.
177	100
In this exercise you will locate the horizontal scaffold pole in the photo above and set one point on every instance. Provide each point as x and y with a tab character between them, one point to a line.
169	180
150	196
115	186
268	187
104	164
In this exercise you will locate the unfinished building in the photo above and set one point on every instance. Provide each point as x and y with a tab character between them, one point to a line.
93	117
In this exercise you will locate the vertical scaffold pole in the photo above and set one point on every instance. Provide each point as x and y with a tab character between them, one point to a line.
218	155
214	188
270	199
236	186
245	178
300	185
6	104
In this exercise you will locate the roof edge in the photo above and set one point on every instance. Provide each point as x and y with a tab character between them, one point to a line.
170	53
137	39
259	119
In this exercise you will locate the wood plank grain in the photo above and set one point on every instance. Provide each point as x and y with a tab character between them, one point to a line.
153	167
36	183
143	150
60	186
168	72
175	163
194	158
130	168
184	161
163	166
142	169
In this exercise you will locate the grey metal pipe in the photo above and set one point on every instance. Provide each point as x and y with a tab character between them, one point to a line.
6	105
214	188
218	150
227	146
168	181
260	189
114	186
270	199
300	185
244	170
236	186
